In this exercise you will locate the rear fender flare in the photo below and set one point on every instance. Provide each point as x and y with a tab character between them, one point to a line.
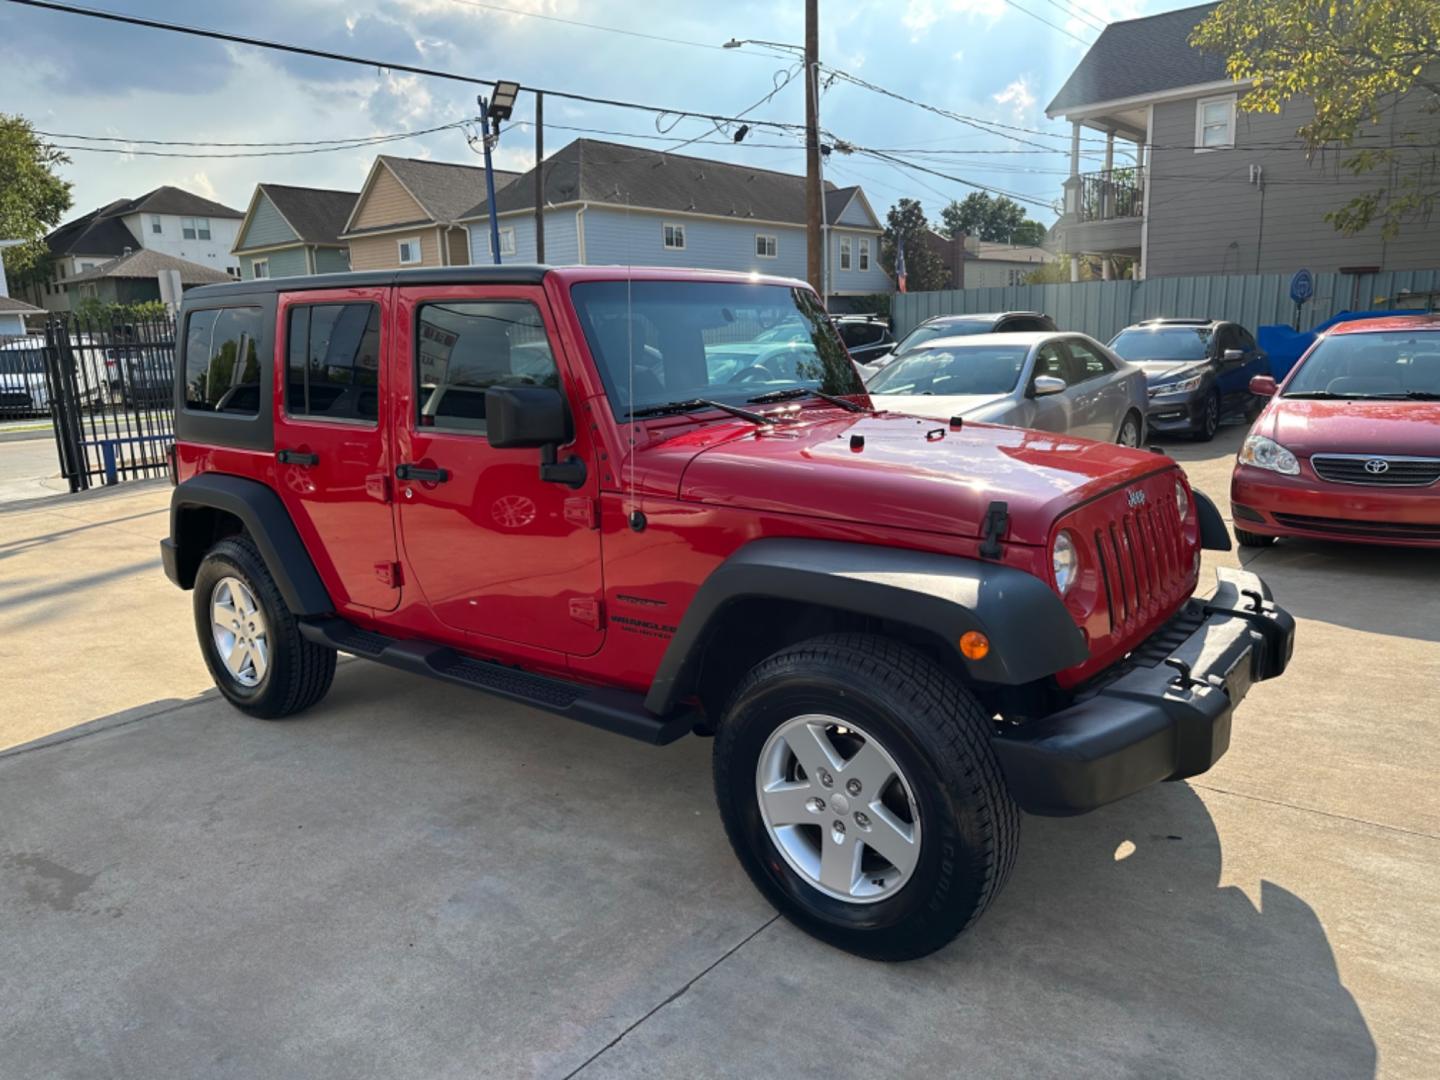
1031	634
266	521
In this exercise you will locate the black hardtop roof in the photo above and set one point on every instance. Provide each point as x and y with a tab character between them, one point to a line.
513	274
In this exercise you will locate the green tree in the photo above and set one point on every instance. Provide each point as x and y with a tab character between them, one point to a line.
1352	59
924	270
32	197
988	217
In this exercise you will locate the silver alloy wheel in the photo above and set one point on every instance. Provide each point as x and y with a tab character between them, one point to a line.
1129	433
238	626
838	808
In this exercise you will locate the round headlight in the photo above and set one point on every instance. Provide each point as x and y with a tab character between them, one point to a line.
1064	562
1182	501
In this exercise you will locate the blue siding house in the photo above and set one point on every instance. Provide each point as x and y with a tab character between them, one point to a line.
289	231
608	204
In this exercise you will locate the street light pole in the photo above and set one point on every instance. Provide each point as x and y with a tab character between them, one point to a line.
501	106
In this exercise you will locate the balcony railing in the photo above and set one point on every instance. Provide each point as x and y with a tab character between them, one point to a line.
1112	194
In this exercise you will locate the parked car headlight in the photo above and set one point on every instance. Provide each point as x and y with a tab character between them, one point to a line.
1064	562
1184	386
1182	501
1266	453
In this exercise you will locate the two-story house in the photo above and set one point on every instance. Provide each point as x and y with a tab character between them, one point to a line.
289	231
610	204
408	213
1200	186
168	220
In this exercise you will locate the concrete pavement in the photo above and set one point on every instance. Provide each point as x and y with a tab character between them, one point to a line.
412	880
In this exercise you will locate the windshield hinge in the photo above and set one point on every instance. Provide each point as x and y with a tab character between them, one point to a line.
997	520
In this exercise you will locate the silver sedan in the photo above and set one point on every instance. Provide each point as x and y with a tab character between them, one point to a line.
1066	383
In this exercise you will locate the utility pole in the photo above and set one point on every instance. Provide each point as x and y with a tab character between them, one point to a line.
539	177
814	194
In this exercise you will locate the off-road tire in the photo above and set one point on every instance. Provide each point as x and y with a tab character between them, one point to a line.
938	735
1254	540
300	672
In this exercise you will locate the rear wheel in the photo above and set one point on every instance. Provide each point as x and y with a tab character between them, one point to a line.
1209	422
250	639
858	788
1255	540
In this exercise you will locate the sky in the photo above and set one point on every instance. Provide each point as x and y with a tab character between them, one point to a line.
986	59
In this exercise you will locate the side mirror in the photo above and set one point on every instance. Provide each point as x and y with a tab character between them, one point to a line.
1263	386
1233	356
526	416
1045	385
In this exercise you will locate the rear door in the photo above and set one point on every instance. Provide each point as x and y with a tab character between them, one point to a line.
333	374
495	550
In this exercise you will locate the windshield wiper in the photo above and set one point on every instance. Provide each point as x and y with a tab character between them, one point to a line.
800	391
1315	394
671	407
1409	395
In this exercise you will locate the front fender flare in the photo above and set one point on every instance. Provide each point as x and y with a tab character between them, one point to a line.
1031	634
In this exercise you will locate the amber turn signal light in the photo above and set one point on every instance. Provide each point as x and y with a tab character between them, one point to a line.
974	645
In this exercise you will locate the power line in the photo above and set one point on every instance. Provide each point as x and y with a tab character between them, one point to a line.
1078	14
354	141
409	69
1047	22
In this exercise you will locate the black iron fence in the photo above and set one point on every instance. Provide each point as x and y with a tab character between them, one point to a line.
1116	193
105	388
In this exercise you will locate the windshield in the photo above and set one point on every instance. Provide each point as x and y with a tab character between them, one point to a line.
931	330
1178	344
1399	363
981	369
718	341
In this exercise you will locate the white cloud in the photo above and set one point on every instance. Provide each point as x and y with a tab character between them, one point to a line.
921	15
1018	96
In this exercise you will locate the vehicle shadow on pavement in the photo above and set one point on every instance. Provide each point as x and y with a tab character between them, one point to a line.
410	879
1380	590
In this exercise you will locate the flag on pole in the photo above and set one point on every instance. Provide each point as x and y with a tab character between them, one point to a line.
900	263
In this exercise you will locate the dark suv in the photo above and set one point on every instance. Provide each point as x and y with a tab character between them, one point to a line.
866	337
1198	370
660	501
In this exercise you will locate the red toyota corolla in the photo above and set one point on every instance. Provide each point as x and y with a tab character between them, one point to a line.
1349	446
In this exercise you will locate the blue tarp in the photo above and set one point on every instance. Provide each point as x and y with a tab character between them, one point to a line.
1284	346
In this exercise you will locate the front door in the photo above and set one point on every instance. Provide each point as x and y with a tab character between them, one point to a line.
1052	411
333	372
494	549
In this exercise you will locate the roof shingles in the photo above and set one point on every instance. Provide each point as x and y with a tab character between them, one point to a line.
148	263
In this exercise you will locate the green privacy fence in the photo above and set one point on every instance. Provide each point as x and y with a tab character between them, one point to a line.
1103	308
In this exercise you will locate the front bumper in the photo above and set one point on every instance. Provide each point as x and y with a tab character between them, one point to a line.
1306	506
1175	412
1150	723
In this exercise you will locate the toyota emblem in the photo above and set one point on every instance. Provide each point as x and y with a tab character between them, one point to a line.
1377	466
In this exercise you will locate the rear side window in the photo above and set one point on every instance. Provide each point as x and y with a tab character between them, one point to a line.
333	366
859	335
222	361
463	348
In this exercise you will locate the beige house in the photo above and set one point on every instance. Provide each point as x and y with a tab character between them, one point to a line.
407	213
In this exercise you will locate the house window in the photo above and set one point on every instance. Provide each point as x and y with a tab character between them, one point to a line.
195	228
845	246
233	271
507	243
764	246
409	250
260	268
156	226
864	254
1016	276
87	288
1215	123
674	237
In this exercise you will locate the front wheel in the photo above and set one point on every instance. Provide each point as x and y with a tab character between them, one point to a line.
250	639
859	790
1209	422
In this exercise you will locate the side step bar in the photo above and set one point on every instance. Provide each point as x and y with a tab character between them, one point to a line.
617	711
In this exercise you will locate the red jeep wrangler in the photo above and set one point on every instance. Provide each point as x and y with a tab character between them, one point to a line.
659	502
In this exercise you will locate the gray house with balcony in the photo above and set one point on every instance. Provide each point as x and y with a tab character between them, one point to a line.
1167	170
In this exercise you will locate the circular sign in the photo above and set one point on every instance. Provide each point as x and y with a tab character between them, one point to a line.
1302	286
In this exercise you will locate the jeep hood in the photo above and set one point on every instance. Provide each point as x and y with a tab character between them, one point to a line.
943	406
898	471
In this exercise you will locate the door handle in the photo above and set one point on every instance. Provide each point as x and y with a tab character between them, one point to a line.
297	457
416	472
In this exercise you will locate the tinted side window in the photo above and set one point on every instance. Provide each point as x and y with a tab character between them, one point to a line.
333	370
1225	338
1021	325
1089	364
463	348
1247	340
222	360
859	335
1051	360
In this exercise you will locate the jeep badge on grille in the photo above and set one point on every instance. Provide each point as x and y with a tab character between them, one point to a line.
1136	497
